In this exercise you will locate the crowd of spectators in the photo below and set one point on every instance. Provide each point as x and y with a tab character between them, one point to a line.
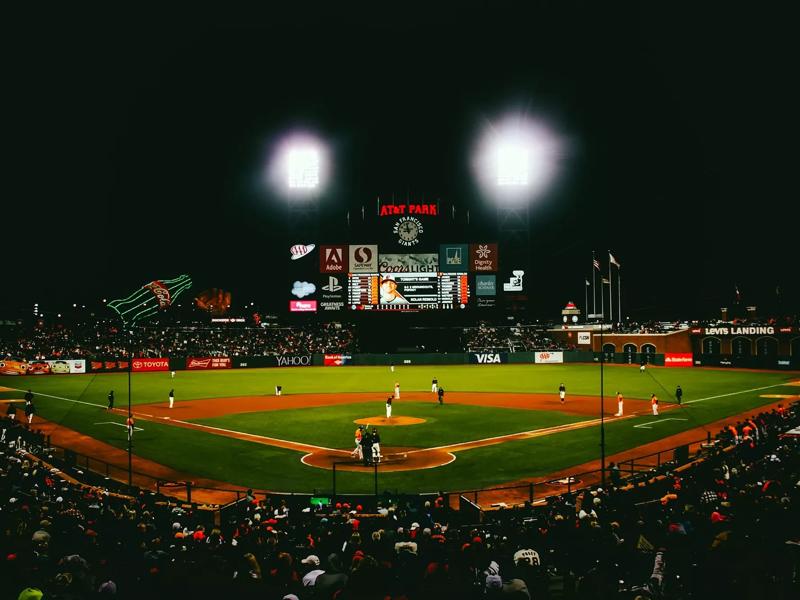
724	528
514	338
106	339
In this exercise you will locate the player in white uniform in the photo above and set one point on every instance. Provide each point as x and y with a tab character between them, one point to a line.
397	390
434	385
389	407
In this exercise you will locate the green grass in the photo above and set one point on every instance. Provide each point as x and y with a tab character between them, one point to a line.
333	426
257	465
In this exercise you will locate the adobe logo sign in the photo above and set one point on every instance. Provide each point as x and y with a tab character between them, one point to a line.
332	259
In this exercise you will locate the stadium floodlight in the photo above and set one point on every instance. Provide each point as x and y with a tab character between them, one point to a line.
302	168
516	158
298	165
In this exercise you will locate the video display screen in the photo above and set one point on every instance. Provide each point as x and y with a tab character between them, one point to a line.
412	291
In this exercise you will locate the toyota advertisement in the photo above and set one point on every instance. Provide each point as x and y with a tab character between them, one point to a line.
150	364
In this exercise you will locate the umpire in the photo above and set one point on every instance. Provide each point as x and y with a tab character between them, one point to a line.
366	446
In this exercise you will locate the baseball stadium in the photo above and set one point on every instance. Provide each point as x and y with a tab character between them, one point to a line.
395	310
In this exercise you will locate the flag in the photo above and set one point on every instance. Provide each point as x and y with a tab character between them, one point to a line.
613	260
588	284
596	263
150	298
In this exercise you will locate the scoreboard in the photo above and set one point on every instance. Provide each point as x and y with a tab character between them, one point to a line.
408	291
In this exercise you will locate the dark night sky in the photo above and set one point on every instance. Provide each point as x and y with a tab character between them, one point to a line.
134	143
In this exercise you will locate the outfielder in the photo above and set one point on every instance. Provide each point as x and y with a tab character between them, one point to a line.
397	390
434	385
562	393
654	402
389	407
619	405
171	398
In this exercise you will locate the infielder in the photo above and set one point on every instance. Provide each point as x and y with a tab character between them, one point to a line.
171	398
562	393
654	403
619	405
389	407
397	390
129	422
434	385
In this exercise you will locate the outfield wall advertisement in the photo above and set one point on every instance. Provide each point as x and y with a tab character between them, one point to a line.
150	364
209	362
548	358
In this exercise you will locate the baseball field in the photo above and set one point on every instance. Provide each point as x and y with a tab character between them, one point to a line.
498	423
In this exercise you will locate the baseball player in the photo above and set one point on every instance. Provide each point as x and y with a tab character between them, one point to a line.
619	405
389	407
654	403
376	446
562	393
434	385
171	398
358	435
678	394
397	390
110	400
30	409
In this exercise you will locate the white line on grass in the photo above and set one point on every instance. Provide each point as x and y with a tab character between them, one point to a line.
758	389
120	424
644	425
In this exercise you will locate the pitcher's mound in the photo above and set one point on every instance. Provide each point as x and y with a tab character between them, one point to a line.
393	421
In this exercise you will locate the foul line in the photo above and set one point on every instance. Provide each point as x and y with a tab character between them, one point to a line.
119	424
645	425
766	387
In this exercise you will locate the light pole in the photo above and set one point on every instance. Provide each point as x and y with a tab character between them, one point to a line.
602	408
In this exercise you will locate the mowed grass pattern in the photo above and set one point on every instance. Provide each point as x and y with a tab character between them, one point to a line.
721	393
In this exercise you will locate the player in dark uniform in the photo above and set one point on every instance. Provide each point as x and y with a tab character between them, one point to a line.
366	445
30	409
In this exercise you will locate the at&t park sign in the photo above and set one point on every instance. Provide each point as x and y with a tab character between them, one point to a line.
393	210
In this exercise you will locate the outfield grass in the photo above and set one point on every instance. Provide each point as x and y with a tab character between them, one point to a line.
709	395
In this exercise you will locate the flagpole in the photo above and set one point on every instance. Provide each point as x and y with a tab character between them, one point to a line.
586	299
594	286
610	297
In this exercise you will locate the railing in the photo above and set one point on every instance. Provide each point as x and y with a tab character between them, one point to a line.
95	471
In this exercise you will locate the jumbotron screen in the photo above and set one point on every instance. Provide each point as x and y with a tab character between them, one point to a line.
408	291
